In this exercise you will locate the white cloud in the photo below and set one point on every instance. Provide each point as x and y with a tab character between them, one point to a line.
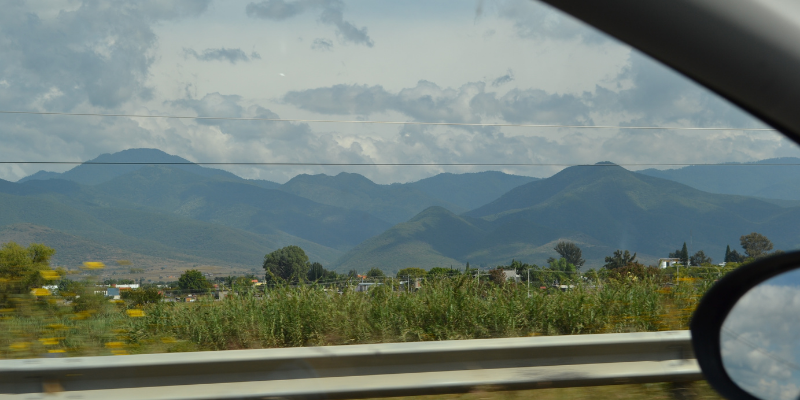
516	62
322	44
222	54
331	14
760	339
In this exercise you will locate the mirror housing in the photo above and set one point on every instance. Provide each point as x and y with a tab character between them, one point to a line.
711	313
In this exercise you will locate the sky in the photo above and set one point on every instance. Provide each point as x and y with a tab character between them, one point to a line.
759	339
458	61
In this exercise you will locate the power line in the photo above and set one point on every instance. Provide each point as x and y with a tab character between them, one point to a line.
406	164
465	124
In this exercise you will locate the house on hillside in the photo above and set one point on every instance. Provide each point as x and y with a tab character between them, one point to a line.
668	262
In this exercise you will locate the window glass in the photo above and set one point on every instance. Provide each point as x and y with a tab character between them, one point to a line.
193	151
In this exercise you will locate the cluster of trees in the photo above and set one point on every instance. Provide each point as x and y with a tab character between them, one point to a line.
291	265
24	268
755	246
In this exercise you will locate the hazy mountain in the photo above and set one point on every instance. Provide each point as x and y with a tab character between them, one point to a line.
400	201
243	205
392	203
469	190
92	174
771	178
425	241
602	208
628	210
439	238
141	231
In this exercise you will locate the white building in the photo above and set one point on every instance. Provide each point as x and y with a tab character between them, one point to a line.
668	262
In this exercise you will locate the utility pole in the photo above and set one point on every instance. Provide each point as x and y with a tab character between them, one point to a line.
529	282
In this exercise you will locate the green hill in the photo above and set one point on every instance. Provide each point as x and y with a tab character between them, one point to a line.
600	208
398	202
439	238
632	211
243	205
392	203
147	232
469	190
91	173
425	241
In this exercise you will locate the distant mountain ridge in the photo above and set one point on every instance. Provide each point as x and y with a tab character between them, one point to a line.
191	214
393	203
601	208
93	172
400	201
187	213
469	190
774	178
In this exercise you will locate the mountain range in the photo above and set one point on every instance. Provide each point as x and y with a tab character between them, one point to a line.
156	206
601	208
164	213
775	178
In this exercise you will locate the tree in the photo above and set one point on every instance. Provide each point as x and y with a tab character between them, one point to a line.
562	265
440	272
411	272
755	245
700	258
619	259
564	270
727	254
375	273
193	281
636	271
24	268
497	276
142	296
571	252
682	254
289	264
733	256
316	272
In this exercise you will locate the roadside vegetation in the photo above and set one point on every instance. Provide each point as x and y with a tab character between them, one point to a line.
43	312
416	305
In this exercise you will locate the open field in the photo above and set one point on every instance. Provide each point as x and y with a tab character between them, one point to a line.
444	309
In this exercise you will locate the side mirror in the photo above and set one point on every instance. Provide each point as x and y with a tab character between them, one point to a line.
746	331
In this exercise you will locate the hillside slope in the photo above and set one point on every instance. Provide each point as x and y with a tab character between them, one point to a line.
101	168
392	203
600	208
145	231
469	190
243	205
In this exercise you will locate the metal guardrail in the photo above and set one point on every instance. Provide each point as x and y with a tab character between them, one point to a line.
357	371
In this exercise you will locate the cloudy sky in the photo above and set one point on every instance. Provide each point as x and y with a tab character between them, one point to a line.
501	61
759	339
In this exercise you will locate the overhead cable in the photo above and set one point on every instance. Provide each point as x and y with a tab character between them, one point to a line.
404	164
462	124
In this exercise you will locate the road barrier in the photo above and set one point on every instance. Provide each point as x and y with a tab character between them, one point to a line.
357	371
